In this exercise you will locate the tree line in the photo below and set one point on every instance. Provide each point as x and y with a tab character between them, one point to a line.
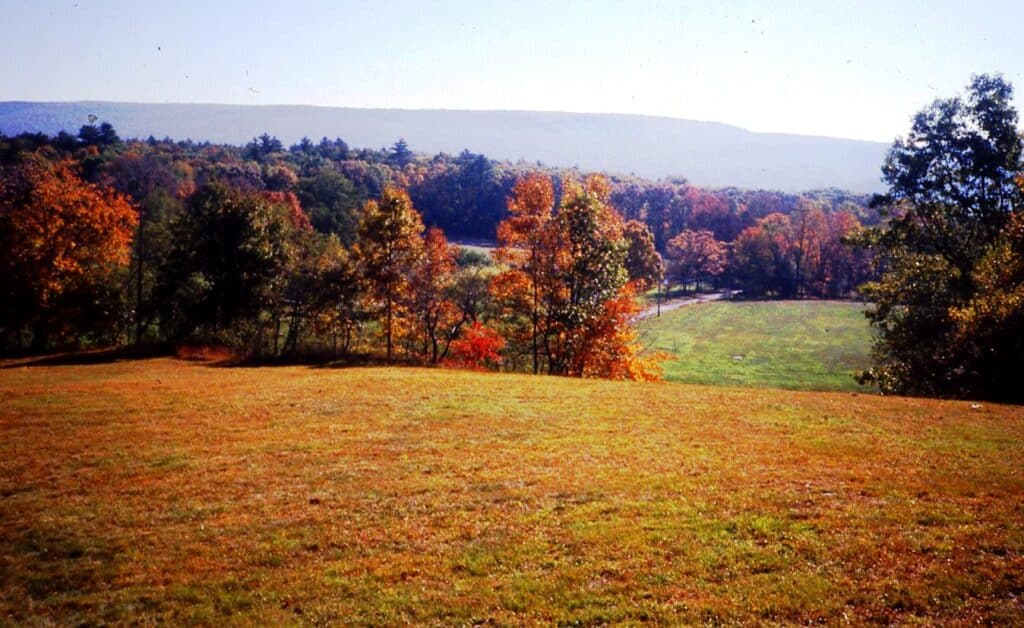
319	248
106	249
239	243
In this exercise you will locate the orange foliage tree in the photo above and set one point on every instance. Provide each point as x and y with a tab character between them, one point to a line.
762	259
843	267
754	260
438	319
57	232
390	245
807	240
614	350
527	243
695	256
804	254
567	276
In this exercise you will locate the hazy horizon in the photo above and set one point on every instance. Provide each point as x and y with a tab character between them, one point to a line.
432	109
853	70
705	153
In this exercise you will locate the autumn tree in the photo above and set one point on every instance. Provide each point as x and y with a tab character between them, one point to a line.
711	211
527	244
567	274
323	293
335	293
279	178
843	267
952	194
805	243
762	258
390	244
801	254
643	263
479	347
591	263
696	256
614	349
431	284
58	234
301	287
753	261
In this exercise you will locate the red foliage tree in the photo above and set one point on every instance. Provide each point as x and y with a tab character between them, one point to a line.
478	348
696	256
437	318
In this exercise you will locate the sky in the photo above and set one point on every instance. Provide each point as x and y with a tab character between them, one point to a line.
835	68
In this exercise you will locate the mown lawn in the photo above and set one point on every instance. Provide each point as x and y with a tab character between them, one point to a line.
163	490
804	345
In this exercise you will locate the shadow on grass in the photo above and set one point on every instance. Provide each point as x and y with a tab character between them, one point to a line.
312	361
92	356
149	352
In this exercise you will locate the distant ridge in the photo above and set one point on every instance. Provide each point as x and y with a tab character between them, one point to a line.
705	153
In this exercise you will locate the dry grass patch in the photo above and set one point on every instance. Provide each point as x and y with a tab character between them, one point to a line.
184	492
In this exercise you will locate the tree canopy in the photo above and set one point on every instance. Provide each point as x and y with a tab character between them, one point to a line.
950	213
58	234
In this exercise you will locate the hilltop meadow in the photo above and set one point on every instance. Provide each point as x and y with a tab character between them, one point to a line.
364	423
186	492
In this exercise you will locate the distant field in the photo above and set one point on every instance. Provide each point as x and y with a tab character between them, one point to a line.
807	345
168	491
477	246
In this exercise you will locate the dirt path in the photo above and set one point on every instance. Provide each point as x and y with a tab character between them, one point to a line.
675	304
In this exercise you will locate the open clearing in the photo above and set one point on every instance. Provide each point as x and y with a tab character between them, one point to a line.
803	345
184	492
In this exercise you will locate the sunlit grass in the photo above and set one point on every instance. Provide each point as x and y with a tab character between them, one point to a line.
187	493
805	345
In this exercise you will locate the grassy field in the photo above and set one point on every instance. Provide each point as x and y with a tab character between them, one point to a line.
477	246
164	490
804	345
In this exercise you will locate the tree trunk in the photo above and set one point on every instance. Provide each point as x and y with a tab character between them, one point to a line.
138	283
388	333
277	333
536	348
294	326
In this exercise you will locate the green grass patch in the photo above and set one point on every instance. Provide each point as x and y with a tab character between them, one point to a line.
804	345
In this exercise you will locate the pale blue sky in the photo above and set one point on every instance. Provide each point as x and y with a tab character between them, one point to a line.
844	68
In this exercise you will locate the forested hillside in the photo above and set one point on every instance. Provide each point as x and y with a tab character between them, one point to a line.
280	250
320	248
707	153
